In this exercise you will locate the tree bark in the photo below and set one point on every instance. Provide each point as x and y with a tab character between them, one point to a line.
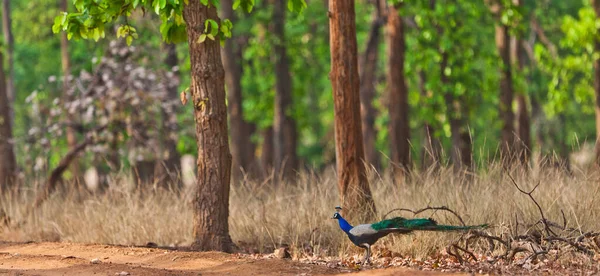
8	165
9	43
506	89
368	79
397	93
284	126
66	68
596	4
211	204
352	180
169	163
242	148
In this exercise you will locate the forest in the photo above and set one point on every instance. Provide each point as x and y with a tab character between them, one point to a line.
239	126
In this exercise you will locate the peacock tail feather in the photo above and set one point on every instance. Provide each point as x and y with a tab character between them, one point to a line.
419	224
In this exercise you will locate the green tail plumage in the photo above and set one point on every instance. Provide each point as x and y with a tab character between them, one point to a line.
419	224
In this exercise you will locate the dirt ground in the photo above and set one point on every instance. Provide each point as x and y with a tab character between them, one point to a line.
93	259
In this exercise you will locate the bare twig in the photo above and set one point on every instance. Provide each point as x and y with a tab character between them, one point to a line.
530	195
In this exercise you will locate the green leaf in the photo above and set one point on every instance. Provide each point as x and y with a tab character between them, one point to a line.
202	38
129	39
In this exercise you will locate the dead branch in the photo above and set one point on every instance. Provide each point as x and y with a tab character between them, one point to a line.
529	194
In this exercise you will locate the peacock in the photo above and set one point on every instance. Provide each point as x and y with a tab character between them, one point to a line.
365	235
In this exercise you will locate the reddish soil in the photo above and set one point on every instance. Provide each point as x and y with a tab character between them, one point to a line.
76	259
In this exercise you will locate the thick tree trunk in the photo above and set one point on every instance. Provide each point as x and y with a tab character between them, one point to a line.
266	155
368	79
8	164
242	148
397	94
284	126
506	90
166	171
66	68
9	44
596	4
431	153
352	180
211	204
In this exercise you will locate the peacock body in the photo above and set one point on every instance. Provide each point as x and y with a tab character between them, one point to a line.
365	235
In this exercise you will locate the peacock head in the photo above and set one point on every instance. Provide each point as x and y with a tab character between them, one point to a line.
337	215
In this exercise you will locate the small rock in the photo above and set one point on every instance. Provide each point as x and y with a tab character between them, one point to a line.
122	273
282	253
95	261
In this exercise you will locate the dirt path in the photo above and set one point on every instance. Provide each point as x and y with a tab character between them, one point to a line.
75	259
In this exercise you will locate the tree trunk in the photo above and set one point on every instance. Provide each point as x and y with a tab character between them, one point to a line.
168	165
368	74
352	180
211	204
284	126
242	148
9	43
431	153
266	155
523	143
397	91
67	97
596	4
506	90
462	152
8	164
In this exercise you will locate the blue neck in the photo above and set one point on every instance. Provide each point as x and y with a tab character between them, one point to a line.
344	224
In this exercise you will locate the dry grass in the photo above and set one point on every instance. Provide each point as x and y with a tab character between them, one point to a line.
263	216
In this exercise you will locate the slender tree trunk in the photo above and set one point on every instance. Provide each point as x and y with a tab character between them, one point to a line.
596	4
506	89
431	153
284	126
352	180
368	79
523	145
462	152
66	68
9	43
211	205
166	171
397	93
266	156
242	148
8	165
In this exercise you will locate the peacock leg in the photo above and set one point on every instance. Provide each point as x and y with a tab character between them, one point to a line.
367	255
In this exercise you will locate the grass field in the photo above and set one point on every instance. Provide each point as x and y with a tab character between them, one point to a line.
263	217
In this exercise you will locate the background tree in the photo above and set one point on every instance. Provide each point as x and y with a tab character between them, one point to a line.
8	166
284	126
397	93
9	43
500	11
242	148
368	80
352	180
